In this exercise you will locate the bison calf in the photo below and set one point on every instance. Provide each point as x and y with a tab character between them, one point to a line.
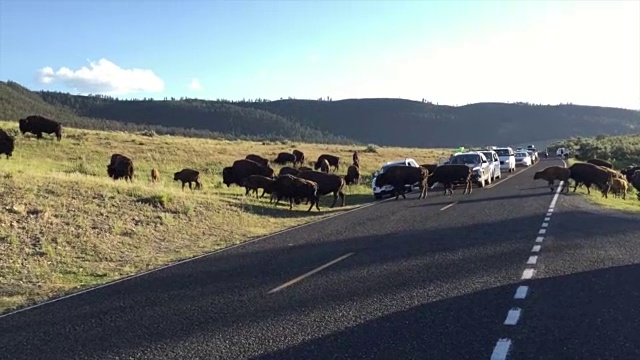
154	175
188	176
553	173
255	182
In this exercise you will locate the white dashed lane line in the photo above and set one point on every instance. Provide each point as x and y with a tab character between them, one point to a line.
502	347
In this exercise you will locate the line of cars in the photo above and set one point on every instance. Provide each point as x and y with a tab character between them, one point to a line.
487	165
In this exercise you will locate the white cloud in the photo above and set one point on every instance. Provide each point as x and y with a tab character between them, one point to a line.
195	85
103	77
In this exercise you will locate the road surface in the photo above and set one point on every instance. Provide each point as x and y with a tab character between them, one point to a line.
464	277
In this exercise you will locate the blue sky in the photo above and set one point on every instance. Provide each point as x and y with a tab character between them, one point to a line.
445	51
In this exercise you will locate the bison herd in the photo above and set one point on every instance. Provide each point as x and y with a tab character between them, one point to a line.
594	172
34	124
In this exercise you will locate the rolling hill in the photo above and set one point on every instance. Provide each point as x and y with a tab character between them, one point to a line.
387	122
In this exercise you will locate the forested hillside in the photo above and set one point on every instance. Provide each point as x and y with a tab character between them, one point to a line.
396	122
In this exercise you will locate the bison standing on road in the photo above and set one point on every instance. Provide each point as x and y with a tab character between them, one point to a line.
295	188
451	174
284	158
331	159
553	173
327	183
188	176
299	157
588	174
37	125
257	158
400	176
6	143
120	167
242	169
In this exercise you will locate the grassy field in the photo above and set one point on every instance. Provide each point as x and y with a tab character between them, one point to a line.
64	225
629	204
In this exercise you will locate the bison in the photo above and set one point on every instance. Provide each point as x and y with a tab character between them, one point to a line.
120	167
299	157
295	188
629	171
600	162
242	169
304	168
323	165
154	175
7	144
553	173
327	183
284	158
635	182
588	174
356	158
257	158
188	176
255	182
399	176
37	125
451	174
287	170
619	188
353	175
331	159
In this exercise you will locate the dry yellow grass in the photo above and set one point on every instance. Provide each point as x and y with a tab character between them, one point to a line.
64	225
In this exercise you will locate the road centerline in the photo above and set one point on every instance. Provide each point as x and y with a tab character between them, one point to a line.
448	206
306	275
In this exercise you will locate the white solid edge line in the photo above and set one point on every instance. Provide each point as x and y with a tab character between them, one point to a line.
527	274
448	206
130	277
501	349
521	292
307	274
512	316
536	248
533	259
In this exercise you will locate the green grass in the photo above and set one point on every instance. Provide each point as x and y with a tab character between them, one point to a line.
64	225
629	204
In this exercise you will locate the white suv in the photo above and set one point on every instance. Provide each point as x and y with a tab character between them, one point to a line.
507	158
494	162
481	170
379	192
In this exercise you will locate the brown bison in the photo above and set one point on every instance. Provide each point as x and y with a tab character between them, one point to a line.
400	176
327	183
284	158
451	174
353	175
629	171
154	175
295	189
257	158
255	182
356	158
331	159
7	144
323	165
304	168
287	170
553	173
37	125
242	169
589	174
299	157
188	176
600	162
120	167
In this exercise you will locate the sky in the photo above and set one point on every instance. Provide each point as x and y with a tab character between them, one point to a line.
447	52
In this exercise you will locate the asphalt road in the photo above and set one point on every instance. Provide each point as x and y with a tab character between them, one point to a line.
398	280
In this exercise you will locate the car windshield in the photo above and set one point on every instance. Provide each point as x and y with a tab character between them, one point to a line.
466	159
488	155
521	154
502	152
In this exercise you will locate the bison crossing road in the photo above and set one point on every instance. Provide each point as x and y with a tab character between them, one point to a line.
446	277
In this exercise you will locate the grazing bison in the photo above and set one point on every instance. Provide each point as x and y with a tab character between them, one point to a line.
553	173
451	174
589	174
188	176
353	175
257	158
7	144
120	167
295	189
154	175
287	170
327	183
299	157
323	165
37	125
242	169
284	158
600	162
399	176
331	159
255	182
